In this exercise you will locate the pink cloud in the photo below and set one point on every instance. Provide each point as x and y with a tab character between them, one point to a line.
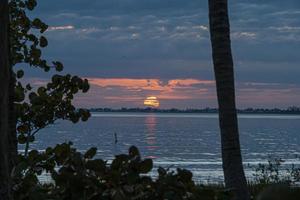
180	93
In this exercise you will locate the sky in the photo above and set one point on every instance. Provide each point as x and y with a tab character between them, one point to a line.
131	49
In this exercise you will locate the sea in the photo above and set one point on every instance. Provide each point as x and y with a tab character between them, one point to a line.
189	141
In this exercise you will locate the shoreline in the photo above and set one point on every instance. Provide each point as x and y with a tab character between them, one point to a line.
183	112
289	111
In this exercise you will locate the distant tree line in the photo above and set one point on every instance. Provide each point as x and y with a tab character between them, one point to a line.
289	110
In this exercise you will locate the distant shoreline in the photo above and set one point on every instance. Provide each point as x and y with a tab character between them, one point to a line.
290	111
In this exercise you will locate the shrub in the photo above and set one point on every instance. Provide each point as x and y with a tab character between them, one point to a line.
81	176
275	173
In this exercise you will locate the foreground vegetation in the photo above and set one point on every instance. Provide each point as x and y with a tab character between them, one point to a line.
26	110
79	176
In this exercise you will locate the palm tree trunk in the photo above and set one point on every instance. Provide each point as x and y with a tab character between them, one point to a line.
223	66
4	102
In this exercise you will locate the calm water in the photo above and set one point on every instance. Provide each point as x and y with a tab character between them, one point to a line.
180	140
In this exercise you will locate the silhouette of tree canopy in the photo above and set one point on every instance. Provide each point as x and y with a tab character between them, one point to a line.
39	107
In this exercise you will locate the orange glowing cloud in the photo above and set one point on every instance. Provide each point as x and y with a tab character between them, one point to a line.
138	84
147	84
133	91
180	93
189	82
169	90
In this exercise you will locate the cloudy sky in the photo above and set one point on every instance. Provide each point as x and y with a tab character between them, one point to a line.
131	49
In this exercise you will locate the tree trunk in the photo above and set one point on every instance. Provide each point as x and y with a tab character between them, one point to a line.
13	142
4	102
223	66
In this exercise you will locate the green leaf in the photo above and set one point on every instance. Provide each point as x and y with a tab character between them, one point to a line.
43	27
58	66
21	167
90	153
28	87
85	115
32	37
32	96
24	128
37	22
96	165
161	171
49	150
41	91
43	42
74	118
134	152
22	139
32	155
146	166
19	94
31	138
85	86
31	4
20	74
36	53
122	157
116	163
46	68
185	175
56	79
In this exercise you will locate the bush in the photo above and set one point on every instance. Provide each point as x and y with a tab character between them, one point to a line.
81	176
274	173
78	176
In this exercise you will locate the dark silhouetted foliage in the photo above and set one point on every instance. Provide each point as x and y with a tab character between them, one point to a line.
74	175
81	176
36	108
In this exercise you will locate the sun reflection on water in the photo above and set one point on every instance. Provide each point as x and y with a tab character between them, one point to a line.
151	142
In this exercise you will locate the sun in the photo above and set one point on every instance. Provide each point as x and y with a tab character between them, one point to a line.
152	102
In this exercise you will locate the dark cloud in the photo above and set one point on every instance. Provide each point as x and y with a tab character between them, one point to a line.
169	39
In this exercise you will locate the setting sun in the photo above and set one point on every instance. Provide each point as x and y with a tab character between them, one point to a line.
151	102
